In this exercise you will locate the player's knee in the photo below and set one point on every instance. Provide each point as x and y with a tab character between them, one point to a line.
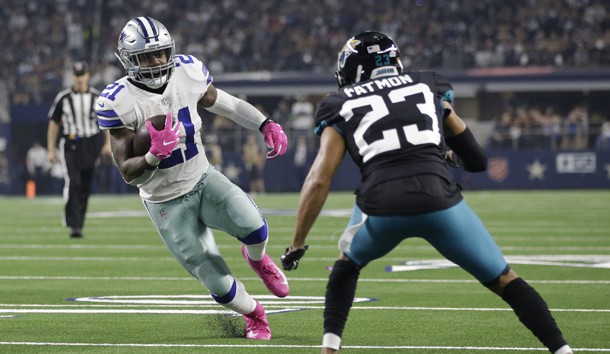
498	284
228	297
257	236
242	210
344	269
192	256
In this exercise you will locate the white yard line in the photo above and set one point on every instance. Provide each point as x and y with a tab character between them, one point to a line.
416	349
324	280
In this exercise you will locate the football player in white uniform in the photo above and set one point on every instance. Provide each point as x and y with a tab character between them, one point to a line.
185	196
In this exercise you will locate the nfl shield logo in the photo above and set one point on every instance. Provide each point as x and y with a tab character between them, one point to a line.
498	169
162	213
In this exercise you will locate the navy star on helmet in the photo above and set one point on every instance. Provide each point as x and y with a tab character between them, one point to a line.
141	39
365	56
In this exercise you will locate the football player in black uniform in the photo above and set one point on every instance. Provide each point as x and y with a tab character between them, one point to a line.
396	125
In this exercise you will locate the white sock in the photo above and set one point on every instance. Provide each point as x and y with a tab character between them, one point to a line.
242	303
564	350
257	252
332	341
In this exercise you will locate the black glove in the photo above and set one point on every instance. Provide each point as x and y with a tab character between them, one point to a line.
453	159
290	260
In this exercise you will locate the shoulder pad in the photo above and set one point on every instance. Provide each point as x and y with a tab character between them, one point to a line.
193	68
112	105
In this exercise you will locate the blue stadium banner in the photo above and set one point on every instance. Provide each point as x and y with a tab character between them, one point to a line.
506	170
541	170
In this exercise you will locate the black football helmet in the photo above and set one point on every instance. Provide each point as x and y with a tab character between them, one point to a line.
365	56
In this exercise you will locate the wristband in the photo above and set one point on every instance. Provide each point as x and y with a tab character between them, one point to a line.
152	159
267	121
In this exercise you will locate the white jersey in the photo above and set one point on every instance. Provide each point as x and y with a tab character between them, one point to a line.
125	105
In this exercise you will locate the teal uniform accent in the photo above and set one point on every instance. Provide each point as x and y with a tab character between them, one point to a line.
457	233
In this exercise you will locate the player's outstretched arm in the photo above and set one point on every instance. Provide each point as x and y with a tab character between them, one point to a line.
314	193
243	113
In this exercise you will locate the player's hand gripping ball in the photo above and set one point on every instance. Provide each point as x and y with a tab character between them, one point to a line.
165	136
141	142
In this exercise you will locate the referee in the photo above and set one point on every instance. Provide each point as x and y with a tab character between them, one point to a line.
80	144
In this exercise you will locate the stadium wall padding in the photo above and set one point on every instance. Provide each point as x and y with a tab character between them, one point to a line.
506	170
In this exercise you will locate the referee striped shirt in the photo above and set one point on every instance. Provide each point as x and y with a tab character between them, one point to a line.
75	112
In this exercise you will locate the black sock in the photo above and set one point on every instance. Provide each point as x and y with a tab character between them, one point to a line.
533	312
340	292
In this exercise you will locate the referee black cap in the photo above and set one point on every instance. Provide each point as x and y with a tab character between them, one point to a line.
80	68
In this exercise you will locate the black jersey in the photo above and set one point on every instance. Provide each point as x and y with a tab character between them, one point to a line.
392	125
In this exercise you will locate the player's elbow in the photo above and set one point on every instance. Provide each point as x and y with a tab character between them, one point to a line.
478	164
129	178
141	179
130	175
315	181
320	184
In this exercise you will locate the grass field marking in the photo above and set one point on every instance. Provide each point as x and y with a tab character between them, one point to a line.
367	280
117	214
138	311
554	238
330	260
338	213
319	247
78	247
556	248
472	309
279	346
273	309
568	260
86	259
200	299
79	278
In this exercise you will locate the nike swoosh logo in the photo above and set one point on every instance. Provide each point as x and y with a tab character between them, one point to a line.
101	104
252	333
165	143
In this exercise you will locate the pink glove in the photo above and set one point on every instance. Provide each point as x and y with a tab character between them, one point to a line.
275	138
162	142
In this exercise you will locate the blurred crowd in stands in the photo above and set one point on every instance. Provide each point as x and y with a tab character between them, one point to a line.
42	37
544	128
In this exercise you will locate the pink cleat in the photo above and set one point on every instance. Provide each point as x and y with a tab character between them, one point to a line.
271	275
257	326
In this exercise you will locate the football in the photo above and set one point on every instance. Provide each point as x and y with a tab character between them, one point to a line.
141	142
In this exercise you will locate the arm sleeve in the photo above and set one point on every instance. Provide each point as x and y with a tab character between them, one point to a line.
237	110
471	155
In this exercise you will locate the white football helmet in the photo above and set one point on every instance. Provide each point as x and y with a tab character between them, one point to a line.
140	40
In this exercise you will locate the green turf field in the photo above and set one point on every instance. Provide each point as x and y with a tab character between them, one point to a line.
119	290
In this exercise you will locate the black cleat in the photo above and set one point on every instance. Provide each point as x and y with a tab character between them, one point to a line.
76	233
